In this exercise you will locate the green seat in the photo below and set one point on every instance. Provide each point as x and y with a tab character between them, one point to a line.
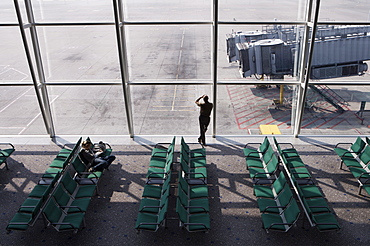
65	152
193	206
268	172
20	221
251	152
75	190
309	191
82	173
326	222
360	173
67	203
5	153
150	205
321	216
193	175
316	205
59	162
157	175
52	172
151	222
192	153
40	191
261	162
31	205
155	190
281	222
294	162
193	222
193	162
162	152
276	205
286	152
157	162
61	221
270	191
193	191
350	153
353	150
300	173
361	161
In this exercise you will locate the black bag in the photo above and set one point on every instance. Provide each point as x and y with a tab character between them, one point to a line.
99	147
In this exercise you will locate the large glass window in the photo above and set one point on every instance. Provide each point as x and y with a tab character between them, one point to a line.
79	53
345	10
95	110
167	109
7	11
169	49
13	63
345	112
243	108
72	11
20	113
265	10
168	10
169	53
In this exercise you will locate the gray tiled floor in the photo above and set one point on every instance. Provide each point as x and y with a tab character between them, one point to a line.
235	219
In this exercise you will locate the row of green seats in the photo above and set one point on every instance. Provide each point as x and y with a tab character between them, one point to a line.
71	198
31	208
154	202
193	164
278	207
309	193
153	206
357	159
192	200
160	163
68	204
192	205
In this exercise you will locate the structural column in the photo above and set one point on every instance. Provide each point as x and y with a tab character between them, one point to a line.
122	54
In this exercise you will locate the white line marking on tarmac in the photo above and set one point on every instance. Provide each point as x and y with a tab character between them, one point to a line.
9	104
24	128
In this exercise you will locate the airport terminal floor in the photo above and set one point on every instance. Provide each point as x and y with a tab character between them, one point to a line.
235	218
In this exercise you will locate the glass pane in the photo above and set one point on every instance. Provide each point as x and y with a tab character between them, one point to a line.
242	109
13	62
169	52
168	10
20	112
73	11
264	10
8	14
337	110
345	10
341	53
91	110
252	53
87	53
168	109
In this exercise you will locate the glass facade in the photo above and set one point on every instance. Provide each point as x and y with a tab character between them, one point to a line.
135	67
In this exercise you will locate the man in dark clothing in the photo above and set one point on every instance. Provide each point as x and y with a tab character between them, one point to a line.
204	117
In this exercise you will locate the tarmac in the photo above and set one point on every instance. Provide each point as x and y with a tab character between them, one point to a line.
235	217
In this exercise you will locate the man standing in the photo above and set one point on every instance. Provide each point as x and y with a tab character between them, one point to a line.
204	117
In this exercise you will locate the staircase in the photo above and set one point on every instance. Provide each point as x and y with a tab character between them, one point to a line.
330	96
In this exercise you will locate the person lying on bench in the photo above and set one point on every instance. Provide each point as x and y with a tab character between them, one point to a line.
96	162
